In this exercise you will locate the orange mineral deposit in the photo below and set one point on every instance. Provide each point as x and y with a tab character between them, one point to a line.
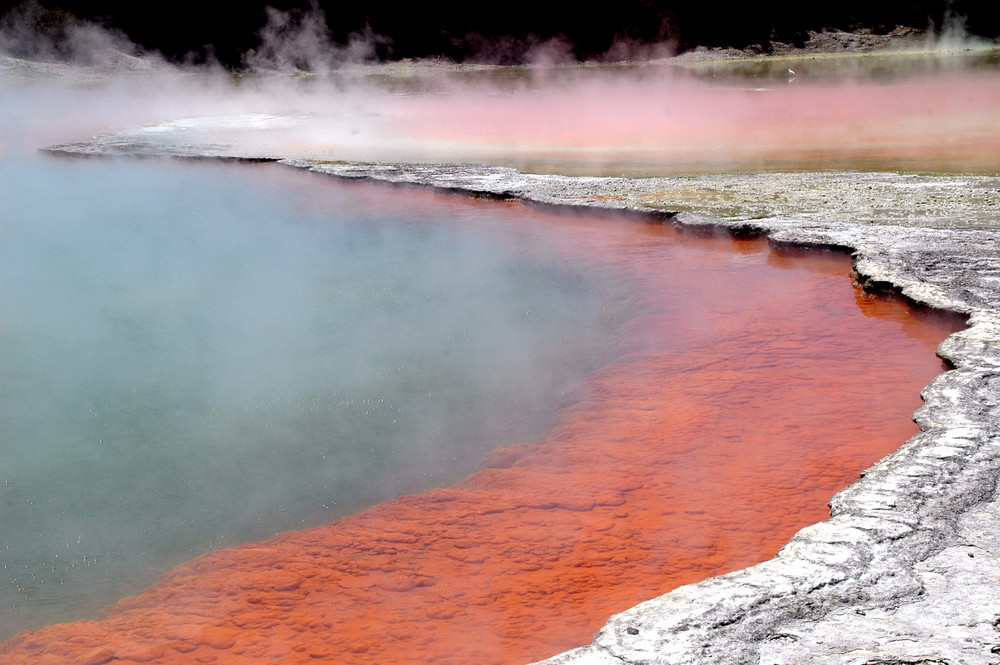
751	385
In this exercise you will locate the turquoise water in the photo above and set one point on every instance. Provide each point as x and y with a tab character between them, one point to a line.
197	355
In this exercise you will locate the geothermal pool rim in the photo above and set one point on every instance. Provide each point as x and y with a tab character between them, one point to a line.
906	568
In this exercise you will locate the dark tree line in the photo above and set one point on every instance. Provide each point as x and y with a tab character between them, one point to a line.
506	29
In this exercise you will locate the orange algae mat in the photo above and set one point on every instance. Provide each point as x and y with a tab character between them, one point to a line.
751	385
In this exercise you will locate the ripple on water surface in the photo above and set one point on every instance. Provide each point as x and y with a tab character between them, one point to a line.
745	387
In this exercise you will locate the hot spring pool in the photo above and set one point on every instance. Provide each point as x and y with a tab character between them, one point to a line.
194	355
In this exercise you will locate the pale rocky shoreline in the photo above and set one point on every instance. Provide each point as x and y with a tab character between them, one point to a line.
907	569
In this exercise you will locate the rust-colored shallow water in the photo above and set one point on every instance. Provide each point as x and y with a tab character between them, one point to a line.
751	386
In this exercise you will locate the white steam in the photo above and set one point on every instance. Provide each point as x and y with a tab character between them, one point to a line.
954	35
302	41
30	32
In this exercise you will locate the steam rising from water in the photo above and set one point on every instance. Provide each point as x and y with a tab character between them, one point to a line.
192	358
936	104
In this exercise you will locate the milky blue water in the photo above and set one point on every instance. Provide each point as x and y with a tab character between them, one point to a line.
196	355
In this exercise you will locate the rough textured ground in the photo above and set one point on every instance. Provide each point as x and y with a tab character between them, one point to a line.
821	43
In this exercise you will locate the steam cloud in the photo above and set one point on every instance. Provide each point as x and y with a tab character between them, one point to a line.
337	102
302	41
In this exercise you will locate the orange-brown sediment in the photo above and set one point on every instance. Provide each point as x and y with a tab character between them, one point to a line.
751	386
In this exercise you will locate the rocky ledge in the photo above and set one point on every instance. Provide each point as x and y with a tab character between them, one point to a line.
907	568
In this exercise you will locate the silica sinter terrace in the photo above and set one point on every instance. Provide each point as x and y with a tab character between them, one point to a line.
714	395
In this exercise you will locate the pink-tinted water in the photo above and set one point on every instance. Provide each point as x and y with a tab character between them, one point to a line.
661	120
668	123
751	386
